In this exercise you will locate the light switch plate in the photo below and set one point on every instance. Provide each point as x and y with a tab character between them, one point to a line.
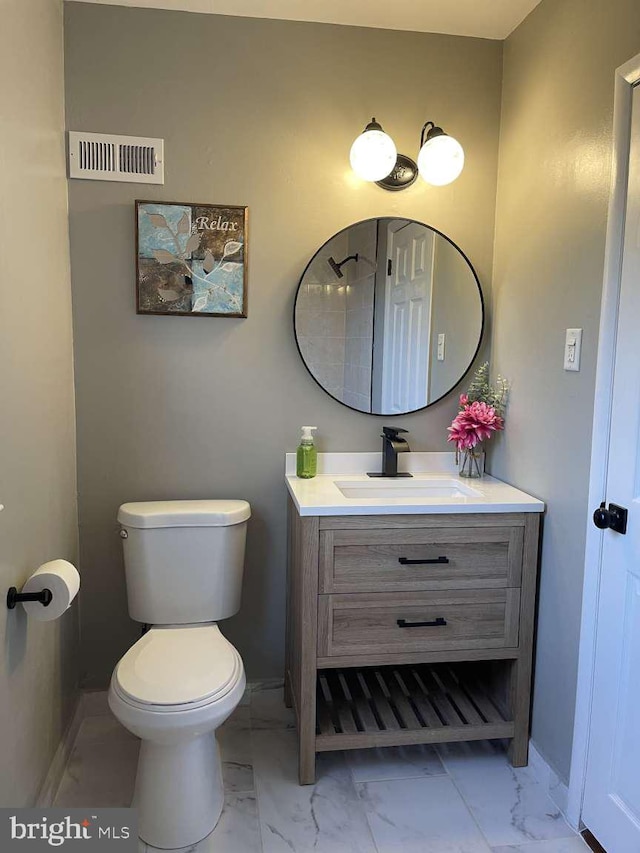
572	349
441	347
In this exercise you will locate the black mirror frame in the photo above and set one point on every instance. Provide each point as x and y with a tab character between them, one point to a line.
482	310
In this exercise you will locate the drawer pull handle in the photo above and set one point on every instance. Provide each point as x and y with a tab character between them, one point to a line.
436	623
405	561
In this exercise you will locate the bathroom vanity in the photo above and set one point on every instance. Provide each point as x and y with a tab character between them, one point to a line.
410	607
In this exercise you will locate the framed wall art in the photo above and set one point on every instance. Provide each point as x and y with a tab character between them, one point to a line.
191	259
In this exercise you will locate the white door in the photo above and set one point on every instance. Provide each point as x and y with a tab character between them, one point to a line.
407	308
611	807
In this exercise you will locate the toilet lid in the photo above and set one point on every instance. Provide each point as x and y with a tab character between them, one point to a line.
178	665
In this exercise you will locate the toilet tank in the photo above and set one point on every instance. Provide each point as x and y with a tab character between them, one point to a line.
183	560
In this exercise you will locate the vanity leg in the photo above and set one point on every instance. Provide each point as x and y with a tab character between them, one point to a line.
288	636
520	686
306	762
302	640
518	751
306	715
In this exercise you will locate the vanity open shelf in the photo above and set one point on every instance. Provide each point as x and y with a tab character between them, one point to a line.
398	705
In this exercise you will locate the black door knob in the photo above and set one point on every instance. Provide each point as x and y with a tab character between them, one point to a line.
613	517
602	517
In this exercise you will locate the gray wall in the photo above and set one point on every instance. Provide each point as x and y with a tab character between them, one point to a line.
261	113
38	663
553	188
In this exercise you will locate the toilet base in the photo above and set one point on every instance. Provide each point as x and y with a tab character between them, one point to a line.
179	792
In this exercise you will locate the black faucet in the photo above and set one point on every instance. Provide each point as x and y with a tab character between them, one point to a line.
392	444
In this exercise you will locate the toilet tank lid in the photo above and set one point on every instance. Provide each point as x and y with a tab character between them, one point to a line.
214	513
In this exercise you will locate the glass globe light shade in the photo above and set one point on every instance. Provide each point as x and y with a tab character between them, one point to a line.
440	160
373	155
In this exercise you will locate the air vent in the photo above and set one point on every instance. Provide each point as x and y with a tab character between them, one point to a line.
104	157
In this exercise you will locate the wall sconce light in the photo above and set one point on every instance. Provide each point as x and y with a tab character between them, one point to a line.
373	153
374	158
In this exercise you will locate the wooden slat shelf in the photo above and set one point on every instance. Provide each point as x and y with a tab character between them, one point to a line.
395	705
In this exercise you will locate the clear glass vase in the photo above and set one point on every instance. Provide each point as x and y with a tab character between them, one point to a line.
471	462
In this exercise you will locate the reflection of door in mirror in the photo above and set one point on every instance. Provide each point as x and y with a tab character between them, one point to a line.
405	282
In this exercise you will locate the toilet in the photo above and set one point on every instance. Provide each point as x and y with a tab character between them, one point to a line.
184	562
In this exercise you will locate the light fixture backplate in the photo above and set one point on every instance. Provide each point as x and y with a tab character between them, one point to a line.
404	174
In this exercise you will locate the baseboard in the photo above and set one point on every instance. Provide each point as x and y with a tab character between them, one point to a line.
549	779
90	703
259	685
95	703
57	767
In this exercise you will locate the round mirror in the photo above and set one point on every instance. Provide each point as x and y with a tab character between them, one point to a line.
388	316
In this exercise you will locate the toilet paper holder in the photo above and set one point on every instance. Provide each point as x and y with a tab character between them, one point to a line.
45	597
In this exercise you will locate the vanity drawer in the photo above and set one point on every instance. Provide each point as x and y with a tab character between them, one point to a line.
386	623
420	559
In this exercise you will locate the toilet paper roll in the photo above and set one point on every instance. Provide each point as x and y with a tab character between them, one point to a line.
62	579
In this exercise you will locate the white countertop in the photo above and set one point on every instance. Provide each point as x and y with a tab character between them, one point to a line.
322	496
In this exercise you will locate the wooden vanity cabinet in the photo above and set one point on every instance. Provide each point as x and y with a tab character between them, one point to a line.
405	629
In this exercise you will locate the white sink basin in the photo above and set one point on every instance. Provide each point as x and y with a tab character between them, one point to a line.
436	487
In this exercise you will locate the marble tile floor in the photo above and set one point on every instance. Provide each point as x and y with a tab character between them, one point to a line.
456	798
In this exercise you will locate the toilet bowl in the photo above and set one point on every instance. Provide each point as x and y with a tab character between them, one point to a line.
173	689
180	681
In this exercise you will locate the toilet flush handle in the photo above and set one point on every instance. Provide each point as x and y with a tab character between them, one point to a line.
123	534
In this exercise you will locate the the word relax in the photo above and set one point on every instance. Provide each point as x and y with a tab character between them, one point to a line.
203	223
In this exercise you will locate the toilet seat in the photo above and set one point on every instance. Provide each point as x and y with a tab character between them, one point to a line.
176	668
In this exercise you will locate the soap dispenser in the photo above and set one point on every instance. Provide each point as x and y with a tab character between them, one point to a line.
307	455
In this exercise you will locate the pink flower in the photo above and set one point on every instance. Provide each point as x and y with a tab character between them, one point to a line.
474	423
464	400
